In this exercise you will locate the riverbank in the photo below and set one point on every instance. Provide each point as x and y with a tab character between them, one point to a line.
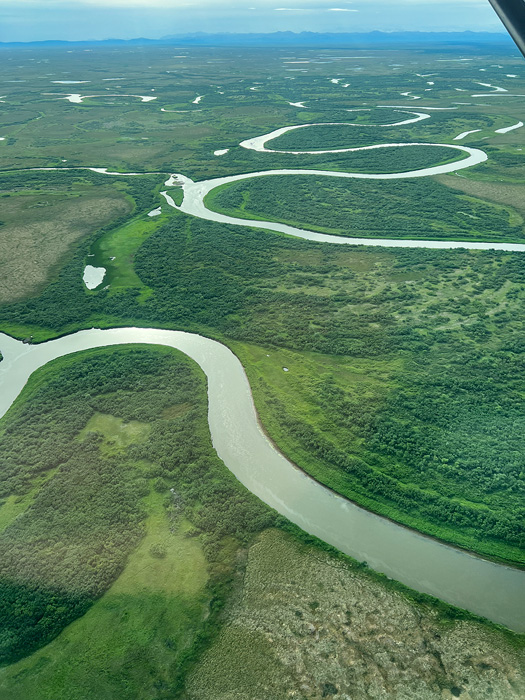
198	558
420	563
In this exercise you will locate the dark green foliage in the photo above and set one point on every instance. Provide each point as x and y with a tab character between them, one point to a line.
380	160
158	550
330	137
238	295
60	555
368	209
419	461
429	446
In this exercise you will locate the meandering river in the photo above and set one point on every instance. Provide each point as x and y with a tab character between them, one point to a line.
483	587
493	590
195	193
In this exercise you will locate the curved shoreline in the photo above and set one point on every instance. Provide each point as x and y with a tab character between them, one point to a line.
482	586
258	143
495	591
195	193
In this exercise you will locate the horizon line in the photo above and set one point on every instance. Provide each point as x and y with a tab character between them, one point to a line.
203	35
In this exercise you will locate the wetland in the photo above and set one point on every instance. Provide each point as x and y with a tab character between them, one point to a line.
402	392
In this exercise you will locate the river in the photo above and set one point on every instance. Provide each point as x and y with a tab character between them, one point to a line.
494	591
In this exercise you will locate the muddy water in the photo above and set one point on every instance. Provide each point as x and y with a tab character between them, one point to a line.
483	587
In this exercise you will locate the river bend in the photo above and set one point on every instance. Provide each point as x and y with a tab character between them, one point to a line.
494	591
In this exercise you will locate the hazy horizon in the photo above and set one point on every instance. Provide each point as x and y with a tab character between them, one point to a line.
73	20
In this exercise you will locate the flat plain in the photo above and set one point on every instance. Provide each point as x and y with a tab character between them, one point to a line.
403	388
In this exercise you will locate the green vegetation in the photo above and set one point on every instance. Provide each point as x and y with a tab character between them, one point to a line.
116	433
132	564
140	433
335	136
419	324
503	193
380	160
439	128
51	213
101	429
47	216
116	252
128	643
420	208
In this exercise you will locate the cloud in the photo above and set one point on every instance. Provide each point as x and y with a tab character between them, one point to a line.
25	20
313	9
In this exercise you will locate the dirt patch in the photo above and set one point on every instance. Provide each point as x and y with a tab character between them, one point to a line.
37	231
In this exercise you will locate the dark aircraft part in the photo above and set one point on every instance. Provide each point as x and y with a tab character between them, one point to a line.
512	14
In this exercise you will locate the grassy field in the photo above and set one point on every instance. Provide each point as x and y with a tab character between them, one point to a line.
304	625
116	252
502	193
54	215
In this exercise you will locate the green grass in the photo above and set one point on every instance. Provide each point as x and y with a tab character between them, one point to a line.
117	433
125	644
122	244
18	330
12	507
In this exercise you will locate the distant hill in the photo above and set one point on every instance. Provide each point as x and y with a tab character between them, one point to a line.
302	39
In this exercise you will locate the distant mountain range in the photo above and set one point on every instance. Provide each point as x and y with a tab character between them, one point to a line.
302	39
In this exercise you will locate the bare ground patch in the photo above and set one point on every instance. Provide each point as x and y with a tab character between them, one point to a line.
38	230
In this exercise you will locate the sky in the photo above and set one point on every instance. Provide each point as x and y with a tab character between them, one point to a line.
74	20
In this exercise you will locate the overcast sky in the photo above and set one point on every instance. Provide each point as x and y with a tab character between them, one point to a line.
29	20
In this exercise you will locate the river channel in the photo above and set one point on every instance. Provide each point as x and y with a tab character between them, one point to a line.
494	591
195	192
